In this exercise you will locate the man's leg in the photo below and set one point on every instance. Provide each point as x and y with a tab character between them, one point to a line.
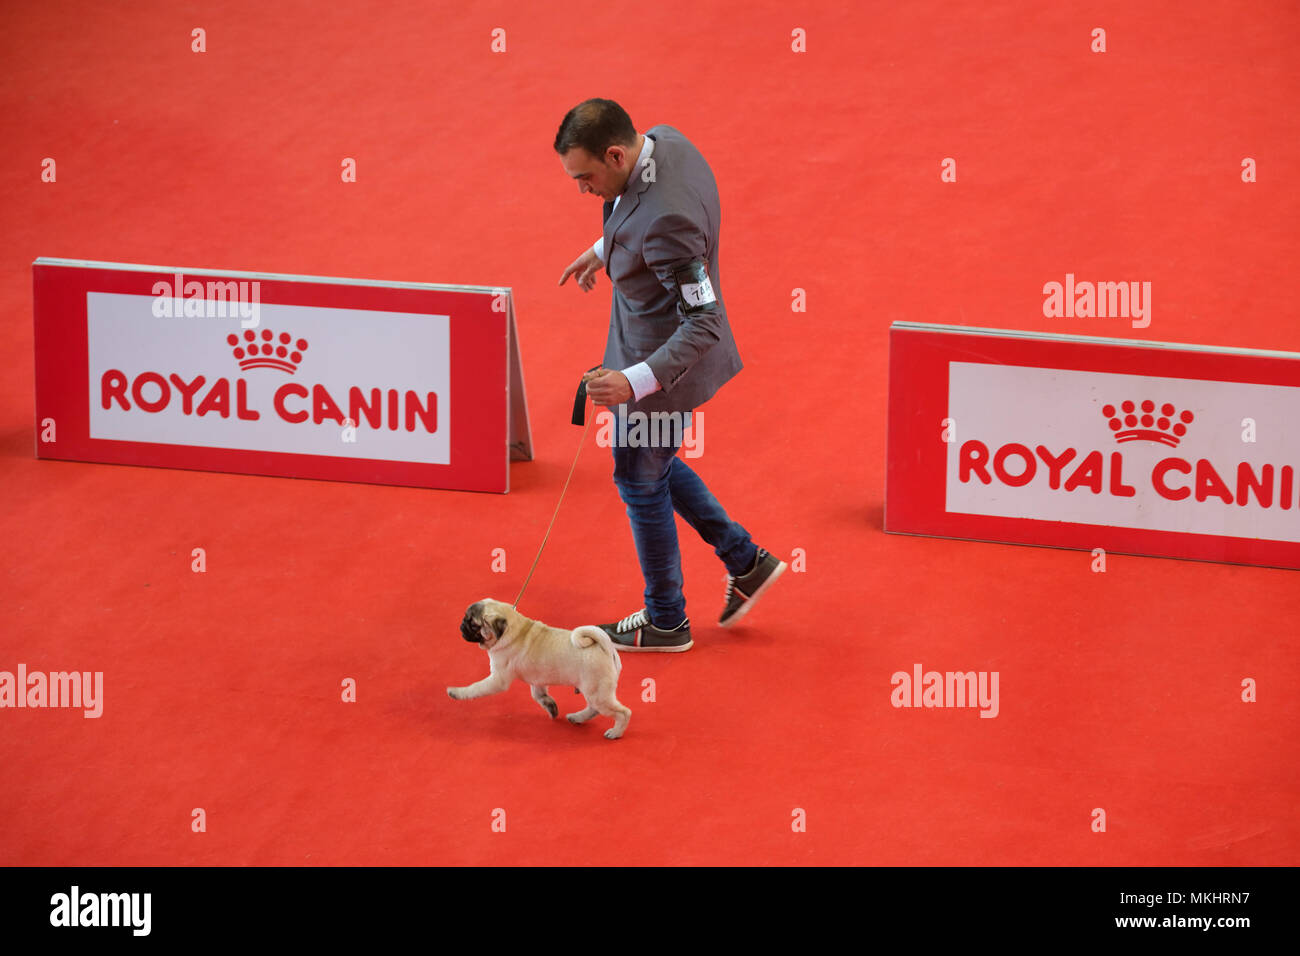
750	569
641	474
692	500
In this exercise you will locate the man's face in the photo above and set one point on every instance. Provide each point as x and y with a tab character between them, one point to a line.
604	179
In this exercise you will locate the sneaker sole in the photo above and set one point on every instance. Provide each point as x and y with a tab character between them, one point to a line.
753	598
625	649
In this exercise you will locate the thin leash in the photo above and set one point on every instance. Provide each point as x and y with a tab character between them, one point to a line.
579	418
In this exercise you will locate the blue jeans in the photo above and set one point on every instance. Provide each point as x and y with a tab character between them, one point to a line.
653	482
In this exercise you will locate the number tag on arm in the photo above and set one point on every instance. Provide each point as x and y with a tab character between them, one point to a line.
694	287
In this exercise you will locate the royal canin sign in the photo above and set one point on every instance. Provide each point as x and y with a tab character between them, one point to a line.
1143	448
397	383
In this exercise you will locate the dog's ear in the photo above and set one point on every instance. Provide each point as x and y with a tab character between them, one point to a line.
499	625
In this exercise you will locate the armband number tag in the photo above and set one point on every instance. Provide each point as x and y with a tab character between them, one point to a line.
699	293
694	287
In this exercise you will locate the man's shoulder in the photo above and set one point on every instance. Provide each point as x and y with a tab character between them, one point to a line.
682	175
672	138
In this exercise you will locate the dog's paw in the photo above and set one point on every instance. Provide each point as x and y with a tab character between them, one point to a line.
454	693
551	708
612	734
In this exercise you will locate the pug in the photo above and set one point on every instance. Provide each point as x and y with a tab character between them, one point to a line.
520	648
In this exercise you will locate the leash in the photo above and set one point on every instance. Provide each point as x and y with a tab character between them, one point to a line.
579	418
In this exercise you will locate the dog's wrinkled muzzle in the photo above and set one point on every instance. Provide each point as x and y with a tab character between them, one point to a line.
471	624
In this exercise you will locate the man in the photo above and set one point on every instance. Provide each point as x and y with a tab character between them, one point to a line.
669	349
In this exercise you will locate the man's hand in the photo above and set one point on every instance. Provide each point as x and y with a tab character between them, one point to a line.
584	269
607	388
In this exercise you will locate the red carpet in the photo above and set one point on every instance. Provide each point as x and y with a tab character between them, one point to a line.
1118	691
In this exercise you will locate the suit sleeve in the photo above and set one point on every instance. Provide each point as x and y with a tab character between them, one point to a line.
672	242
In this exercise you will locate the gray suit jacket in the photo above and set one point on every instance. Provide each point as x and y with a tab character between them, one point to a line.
662	223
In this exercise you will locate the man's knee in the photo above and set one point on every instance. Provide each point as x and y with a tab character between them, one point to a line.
635	492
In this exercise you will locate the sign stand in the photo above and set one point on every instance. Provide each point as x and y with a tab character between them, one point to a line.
521	434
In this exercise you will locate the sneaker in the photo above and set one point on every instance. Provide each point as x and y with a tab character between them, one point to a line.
636	633
744	591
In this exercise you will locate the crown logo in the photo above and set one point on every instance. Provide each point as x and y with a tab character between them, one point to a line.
267	353
1131	422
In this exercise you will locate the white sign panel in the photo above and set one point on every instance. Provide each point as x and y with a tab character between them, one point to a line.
1131	451
290	384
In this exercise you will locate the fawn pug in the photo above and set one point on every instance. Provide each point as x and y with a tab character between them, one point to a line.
520	648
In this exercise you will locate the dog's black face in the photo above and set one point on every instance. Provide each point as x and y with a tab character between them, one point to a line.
471	622
471	625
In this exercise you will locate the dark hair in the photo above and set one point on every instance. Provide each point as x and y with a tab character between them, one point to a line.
595	125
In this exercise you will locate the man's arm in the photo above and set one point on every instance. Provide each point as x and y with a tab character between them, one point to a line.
614	388
676	250
642	379
585	267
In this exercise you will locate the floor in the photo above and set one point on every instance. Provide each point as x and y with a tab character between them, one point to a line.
775	742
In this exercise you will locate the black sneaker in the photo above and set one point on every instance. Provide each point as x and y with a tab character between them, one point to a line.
636	633
744	591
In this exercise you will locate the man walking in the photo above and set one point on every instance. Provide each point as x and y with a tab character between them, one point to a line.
669	350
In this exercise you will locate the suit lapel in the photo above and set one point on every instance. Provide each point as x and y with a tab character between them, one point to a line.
636	185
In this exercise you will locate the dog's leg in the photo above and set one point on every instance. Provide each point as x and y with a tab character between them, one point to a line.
611	707
601	700
582	716
492	684
546	700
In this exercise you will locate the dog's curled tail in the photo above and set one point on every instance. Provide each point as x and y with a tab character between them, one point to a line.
589	635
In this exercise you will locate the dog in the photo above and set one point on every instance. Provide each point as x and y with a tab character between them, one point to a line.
520	648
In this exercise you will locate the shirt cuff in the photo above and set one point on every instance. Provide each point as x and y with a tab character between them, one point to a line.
598	247
642	380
